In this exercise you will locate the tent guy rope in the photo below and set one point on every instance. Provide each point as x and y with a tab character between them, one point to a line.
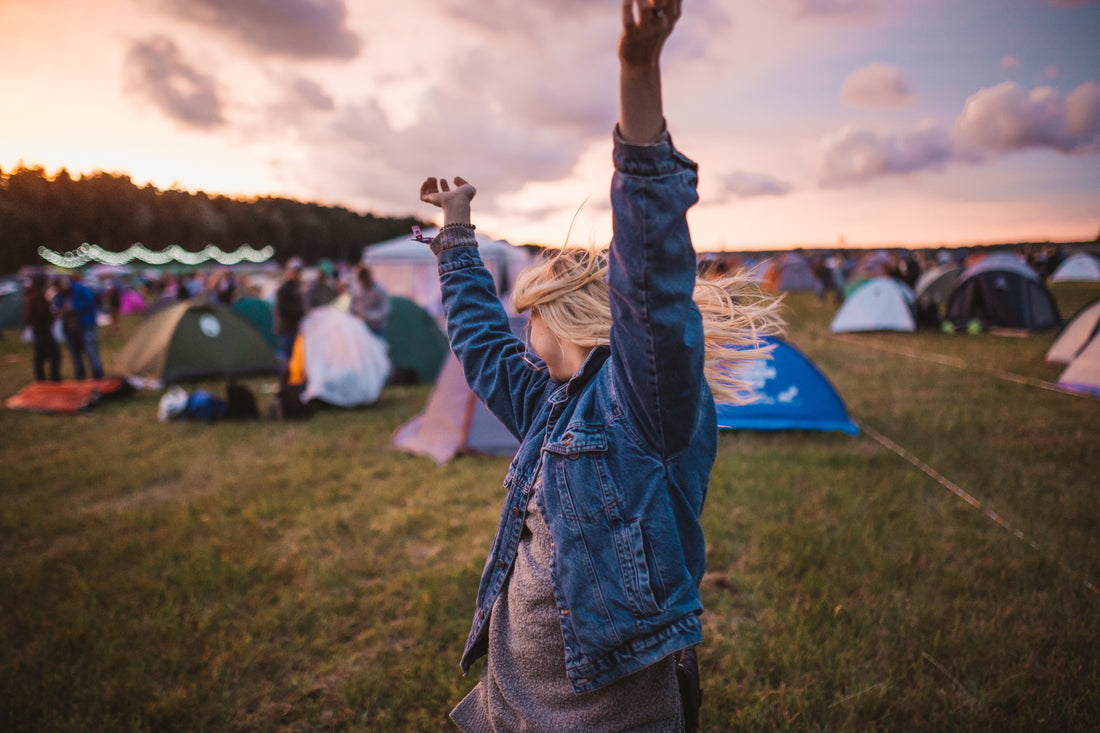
968	498
952	361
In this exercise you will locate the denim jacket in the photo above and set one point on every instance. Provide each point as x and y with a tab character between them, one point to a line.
625	447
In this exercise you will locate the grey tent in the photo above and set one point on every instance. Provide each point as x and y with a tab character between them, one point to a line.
1002	292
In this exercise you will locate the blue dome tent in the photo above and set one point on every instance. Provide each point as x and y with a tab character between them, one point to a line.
794	395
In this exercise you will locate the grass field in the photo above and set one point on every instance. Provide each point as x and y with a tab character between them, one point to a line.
305	576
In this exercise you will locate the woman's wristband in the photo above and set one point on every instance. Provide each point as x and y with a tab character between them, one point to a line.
453	235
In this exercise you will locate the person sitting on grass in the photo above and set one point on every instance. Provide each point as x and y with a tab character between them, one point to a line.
590	595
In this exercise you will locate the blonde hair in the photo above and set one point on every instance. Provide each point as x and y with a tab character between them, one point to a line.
569	292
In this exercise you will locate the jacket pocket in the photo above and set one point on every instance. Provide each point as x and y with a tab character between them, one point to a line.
579	476
641	578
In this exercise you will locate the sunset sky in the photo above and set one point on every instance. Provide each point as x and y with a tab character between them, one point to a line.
913	122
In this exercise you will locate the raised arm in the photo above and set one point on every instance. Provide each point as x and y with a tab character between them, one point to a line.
656	334
492	357
646	26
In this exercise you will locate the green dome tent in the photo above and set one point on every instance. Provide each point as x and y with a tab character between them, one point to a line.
193	341
418	345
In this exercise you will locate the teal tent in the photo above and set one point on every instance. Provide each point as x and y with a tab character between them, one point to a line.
261	314
418	345
11	305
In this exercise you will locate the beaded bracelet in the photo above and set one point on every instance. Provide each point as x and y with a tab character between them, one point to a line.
445	227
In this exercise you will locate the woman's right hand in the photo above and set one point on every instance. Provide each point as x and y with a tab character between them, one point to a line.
455	203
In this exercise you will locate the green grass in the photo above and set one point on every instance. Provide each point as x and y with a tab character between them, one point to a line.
304	575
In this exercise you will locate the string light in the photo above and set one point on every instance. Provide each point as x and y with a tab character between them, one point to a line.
86	253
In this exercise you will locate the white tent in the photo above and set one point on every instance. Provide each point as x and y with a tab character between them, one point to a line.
1076	335
879	304
345	364
1083	373
1081	267
406	267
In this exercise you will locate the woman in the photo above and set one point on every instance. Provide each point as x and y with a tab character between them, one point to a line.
590	590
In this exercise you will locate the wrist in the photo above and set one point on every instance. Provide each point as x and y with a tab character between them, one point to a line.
457	212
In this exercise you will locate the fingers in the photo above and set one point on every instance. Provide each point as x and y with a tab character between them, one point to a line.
628	13
443	185
641	12
428	187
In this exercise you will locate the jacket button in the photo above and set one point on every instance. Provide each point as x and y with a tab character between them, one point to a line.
515	511
500	564
567	439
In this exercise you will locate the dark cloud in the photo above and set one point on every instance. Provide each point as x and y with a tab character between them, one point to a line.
157	72
309	29
744	184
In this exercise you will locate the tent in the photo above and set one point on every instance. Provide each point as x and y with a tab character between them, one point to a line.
1002	291
1083	373
880	304
1081	267
261	314
418	345
790	272
934	286
1076	335
406	267
130	301
345	364
867	267
794	395
11	305
192	341
455	421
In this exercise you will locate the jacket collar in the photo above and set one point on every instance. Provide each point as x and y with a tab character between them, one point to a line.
592	363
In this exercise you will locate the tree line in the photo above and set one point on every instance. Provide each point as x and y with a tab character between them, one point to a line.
108	209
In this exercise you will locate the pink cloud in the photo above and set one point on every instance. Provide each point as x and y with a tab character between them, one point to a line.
877	86
857	156
744	184
1006	117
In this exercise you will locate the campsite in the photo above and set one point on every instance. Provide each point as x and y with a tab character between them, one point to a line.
936	570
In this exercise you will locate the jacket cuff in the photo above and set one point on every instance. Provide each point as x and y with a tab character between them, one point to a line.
657	158
451	237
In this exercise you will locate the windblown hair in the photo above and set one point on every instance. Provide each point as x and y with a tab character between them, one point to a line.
569	292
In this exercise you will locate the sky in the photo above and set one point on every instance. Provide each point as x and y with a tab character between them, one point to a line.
814	122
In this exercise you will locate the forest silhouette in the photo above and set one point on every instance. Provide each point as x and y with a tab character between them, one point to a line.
108	209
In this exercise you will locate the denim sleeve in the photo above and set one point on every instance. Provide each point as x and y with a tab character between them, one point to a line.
657	332
492	357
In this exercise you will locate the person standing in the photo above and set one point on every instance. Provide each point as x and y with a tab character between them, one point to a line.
589	606
75	305
38	317
289	309
369	301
